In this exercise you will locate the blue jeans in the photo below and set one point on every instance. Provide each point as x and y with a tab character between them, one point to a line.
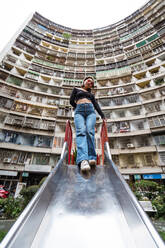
85	120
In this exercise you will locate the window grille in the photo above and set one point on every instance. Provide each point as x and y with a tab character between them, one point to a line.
149	160
130	159
162	157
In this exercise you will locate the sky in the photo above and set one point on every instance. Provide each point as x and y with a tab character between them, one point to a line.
85	14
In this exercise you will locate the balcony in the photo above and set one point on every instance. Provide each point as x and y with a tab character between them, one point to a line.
14	80
107	114
15	157
118	114
157	121
105	102
42	88
6	103
6	66
64	112
20	107
150	63
35	68
154	71
148	96
28	85
34	110
132	99
50	126
32	75
53	101
118	101
154	107
144	84
24	47
138	67
3	75
26	139
14	120
118	127
121	90
10	58
15	51
24	95
139	125
140	76
23	64
8	90
159	81
159	140
50	112
66	92
43	141
31	123
41	159
135	111
103	92
71	82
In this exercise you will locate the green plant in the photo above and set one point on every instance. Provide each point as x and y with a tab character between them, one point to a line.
100	62
146	185
159	81
51	58
162	234
159	203
12	207
149	189
28	193
138	195
2	234
14	80
66	36
42	181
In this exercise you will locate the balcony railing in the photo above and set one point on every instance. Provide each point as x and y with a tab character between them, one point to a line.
25	139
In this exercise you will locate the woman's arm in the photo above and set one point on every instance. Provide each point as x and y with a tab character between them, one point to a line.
97	107
72	98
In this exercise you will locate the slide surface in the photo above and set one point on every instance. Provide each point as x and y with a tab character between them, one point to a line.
77	212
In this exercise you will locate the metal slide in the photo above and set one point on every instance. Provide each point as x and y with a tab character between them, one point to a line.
75	212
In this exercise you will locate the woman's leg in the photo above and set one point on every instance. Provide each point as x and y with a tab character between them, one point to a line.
81	139
90	129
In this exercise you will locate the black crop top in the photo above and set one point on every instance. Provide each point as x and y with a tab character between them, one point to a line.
78	94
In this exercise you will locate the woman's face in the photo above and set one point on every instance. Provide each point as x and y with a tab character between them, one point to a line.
88	83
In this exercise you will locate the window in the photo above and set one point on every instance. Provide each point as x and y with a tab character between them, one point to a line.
162	157
130	159
149	160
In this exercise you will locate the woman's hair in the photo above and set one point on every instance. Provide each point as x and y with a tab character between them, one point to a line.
88	77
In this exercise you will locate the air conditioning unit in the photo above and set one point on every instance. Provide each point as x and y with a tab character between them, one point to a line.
130	145
6	160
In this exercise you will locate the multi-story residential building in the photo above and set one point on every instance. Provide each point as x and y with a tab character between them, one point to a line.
44	61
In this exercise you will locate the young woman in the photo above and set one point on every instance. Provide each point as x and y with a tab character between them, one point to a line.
84	103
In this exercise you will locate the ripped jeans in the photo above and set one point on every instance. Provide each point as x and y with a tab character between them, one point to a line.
85	120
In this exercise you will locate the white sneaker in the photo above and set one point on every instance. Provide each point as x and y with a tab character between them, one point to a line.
92	162
85	165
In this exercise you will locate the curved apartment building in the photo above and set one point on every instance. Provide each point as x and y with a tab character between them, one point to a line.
44	61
